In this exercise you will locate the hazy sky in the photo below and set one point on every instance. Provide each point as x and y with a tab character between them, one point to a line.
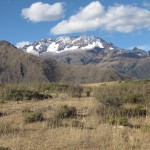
125	23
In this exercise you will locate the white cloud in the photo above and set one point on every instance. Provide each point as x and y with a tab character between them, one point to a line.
39	11
120	18
22	44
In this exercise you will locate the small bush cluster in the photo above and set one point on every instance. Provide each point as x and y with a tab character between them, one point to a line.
75	91
133	112
87	91
118	121
133	98
2	114
33	117
65	112
4	148
51	87
112	100
54	122
19	95
77	124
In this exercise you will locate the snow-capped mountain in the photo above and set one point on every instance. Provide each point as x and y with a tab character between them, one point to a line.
63	44
91	53
77	44
81	50
140	52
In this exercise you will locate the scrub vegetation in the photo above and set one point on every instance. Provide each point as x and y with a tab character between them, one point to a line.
44	116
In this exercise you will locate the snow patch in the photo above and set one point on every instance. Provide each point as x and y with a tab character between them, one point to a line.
53	47
71	48
98	43
38	46
32	51
111	48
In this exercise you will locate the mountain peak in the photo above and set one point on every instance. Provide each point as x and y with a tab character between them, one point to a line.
139	52
79	44
63	44
136	48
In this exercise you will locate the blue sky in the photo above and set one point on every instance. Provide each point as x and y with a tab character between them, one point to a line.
125	23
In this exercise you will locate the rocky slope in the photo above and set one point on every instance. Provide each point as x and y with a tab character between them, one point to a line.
17	66
84	50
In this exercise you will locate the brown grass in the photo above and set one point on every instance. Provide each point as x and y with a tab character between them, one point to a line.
94	136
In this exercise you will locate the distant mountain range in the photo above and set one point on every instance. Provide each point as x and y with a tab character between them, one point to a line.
81	44
17	66
85	50
82	59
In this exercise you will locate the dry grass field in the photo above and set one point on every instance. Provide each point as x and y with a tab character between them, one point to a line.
84	130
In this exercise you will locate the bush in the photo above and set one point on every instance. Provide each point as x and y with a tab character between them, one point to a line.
33	117
133	112
121	112
51	87
18	95
112	102
4	148
110	96
65	112
133	98
2	114
77	124
75	91
87	91
54	122
105	112
118	121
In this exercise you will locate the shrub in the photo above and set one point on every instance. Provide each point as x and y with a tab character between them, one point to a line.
133	98
77	124
18	95
109	96
118	121
33	117
105	112
133	112
54	122
75	91
51	87
65	112
87	91
4	148
121	112
112	102
2	114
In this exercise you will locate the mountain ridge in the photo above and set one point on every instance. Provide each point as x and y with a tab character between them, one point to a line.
94	51
17	66
77	43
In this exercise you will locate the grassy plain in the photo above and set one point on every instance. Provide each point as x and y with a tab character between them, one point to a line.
108	117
